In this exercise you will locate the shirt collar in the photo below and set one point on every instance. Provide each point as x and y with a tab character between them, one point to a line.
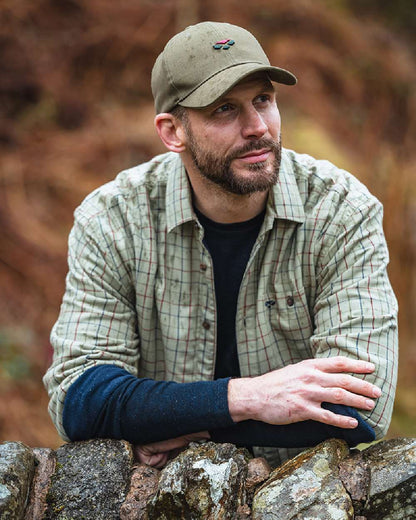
178	194
284	201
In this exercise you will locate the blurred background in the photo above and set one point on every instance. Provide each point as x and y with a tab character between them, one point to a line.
76	108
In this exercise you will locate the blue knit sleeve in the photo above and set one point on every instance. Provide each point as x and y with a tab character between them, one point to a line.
108	402
296	435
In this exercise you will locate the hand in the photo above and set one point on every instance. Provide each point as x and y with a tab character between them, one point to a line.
157	454
295	393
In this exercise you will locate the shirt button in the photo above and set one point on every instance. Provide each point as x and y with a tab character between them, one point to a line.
290	301
206	325
203	267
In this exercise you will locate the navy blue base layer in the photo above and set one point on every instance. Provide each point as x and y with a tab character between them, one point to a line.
108	402
296	435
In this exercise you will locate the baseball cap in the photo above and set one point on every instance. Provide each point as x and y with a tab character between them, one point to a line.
204	61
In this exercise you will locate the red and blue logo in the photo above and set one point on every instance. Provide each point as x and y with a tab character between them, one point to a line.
224	44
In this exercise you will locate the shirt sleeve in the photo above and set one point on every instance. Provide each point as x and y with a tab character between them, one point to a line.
355	310
97	321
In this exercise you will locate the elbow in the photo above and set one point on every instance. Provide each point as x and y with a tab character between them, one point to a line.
73	426
381	428
380	424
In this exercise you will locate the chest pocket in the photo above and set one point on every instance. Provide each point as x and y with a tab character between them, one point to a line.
291	324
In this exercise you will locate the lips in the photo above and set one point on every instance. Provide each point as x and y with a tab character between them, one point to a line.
256	155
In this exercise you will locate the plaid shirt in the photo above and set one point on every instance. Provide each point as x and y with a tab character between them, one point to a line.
140	289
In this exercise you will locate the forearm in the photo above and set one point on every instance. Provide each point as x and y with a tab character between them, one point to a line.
107	401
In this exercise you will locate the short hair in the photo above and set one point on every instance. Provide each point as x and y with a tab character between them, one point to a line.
180	113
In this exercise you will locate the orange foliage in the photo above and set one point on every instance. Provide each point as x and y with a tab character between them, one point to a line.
76	108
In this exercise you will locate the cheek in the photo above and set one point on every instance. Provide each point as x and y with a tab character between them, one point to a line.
219	141
274	125
273	120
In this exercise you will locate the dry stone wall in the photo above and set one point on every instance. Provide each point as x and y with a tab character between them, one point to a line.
99	479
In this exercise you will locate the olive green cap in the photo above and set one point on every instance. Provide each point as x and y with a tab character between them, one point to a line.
204	61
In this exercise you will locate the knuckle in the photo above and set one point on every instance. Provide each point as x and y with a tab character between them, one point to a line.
327	416
307	377
344	381
339	395
310	375
339	363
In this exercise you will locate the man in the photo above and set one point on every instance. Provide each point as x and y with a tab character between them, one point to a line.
228	289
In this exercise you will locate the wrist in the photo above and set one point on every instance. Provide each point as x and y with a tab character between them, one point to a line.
240	399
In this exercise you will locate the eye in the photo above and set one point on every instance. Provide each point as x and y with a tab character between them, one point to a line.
262	99
226	107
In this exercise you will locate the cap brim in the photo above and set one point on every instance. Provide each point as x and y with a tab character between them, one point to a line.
219	84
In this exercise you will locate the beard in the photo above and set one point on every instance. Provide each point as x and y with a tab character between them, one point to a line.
217	168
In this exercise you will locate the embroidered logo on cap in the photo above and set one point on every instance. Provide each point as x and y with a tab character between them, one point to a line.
224	44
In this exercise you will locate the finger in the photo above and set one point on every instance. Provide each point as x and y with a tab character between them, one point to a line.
162	446
156	460
327	417
346	398
199	436
171	444
351	383
343	364
179	443
159	460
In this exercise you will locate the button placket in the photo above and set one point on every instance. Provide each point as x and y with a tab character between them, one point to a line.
208	308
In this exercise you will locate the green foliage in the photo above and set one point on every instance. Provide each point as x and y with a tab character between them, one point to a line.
14	365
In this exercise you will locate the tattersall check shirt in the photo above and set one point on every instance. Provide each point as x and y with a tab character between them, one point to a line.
140	289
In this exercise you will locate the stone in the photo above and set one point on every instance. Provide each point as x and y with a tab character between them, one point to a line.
143	486
242	513
355	476
17	464
257	472
205	482
45	462
392	489
307	486
97	480
91	480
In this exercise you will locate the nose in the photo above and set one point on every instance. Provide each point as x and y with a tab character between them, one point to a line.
253	126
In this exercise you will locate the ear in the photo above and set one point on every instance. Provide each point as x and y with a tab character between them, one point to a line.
171	132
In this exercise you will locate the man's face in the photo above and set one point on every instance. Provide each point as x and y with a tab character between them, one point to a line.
235	143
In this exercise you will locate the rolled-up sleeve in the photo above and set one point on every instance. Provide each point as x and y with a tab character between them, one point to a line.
355	307
97	320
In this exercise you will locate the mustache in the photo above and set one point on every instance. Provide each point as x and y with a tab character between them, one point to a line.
264	142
